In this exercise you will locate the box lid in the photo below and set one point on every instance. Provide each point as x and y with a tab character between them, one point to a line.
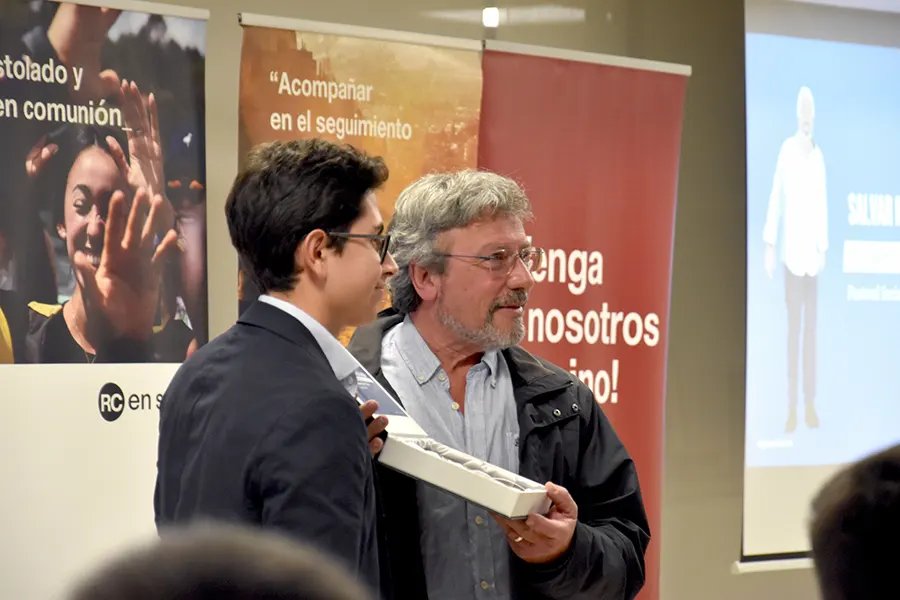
399	422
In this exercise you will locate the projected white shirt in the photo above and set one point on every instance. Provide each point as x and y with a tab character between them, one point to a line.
799	199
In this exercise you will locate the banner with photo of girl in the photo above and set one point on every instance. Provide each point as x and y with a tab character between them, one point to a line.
102	211
102	262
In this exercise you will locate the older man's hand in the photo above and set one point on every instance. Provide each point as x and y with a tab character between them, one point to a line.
542	539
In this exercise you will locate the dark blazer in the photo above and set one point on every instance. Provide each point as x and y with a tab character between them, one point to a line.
255	428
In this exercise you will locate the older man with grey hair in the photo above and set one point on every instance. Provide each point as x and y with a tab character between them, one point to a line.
448	350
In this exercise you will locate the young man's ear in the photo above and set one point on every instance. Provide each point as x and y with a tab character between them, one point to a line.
310	253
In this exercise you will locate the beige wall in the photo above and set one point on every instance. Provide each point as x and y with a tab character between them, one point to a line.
705	412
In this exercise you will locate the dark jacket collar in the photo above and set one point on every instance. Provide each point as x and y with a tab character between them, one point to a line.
273	319
531	376
365	344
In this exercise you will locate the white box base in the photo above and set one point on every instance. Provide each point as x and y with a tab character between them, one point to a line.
406	456
504	493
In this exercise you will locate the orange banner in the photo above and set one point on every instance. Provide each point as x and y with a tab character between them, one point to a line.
416	106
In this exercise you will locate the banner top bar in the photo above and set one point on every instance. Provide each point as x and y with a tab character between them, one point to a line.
762	566
589	57
407	37
153	8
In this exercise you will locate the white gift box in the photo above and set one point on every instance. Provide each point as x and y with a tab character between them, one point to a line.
409	450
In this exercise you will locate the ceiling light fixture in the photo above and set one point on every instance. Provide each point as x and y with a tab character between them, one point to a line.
490	16
544	14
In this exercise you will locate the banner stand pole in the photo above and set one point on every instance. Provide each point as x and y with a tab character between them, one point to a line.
387	35
588	57
153	8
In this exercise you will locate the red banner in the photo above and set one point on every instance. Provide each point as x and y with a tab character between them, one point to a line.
596	147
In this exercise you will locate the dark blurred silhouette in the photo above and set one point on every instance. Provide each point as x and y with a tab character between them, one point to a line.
855	529
219	562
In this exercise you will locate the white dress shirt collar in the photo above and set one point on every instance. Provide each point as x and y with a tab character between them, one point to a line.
342	362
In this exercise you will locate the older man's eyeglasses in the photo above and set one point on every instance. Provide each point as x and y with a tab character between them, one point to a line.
503	260
381	241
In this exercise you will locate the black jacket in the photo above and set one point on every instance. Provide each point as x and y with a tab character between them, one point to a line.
255	428
564	438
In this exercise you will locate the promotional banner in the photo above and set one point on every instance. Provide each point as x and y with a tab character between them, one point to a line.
596	147
416	105
102	270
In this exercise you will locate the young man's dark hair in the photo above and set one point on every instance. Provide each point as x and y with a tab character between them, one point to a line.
855	527
318	185
219	562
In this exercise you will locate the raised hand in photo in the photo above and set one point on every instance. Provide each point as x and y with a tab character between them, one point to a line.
126	285
145	169
38	156
74	34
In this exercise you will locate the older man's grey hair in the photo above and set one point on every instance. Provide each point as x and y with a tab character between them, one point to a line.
437	203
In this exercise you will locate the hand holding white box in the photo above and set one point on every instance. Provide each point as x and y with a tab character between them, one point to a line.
409	450
540	539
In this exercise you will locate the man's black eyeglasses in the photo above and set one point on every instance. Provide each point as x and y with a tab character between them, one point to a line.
381	241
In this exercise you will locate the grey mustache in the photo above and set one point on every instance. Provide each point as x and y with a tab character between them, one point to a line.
517	298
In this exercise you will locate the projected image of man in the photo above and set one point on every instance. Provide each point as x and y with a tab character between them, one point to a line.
798	210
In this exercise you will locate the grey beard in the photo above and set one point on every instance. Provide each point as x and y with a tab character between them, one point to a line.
488	337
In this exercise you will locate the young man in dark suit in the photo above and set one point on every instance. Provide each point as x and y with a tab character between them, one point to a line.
261	425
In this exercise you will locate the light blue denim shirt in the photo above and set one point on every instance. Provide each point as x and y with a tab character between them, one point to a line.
465	552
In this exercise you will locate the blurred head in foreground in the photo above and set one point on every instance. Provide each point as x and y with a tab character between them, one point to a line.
220	563
855	530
